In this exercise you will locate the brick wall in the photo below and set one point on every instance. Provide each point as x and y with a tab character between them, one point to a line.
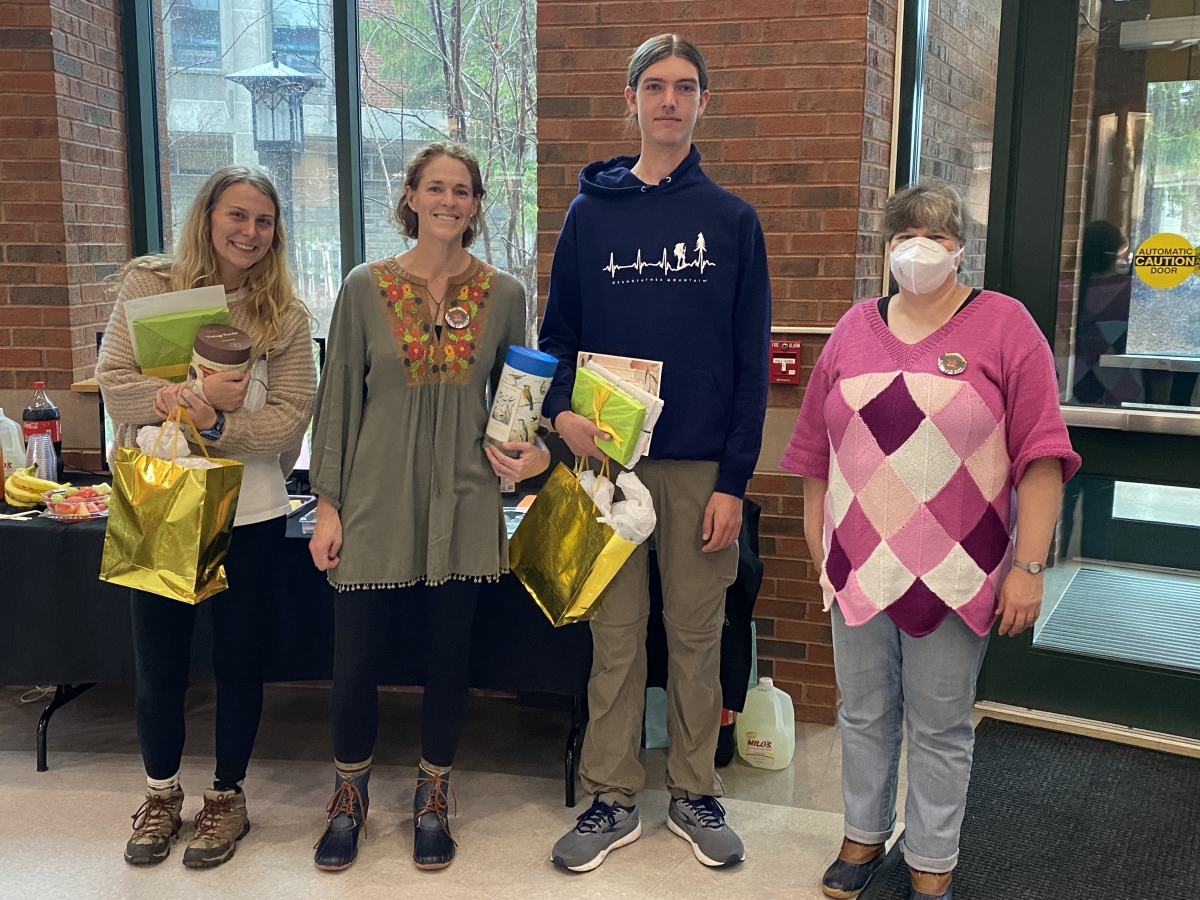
960	107
798	124
63	185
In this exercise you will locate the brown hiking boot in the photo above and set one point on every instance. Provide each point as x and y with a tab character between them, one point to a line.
219	826
155	825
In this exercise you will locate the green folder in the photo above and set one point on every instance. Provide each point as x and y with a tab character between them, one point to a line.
164	343
612	410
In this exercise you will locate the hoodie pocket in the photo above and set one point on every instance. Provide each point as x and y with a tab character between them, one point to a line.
695	417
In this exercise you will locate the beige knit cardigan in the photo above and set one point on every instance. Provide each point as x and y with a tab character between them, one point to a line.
291	382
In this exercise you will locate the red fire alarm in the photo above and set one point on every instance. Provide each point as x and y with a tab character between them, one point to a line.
784	363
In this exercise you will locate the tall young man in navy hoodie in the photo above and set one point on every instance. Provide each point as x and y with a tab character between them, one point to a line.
655	261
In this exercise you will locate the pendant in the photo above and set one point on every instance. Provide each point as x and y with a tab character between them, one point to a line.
952	363
458	318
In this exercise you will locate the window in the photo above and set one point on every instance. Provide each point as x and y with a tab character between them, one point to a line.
414	92
1128	333
958	109
195	29
217	118
428	70
296	33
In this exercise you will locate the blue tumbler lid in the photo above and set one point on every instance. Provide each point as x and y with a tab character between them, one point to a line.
535	362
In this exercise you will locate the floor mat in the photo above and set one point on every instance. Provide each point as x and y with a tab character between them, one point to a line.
1053	816
1135	616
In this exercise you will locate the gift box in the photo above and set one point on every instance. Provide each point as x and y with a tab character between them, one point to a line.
612	410
165	343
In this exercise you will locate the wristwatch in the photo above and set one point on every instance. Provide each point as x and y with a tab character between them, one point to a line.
218	428
1033	568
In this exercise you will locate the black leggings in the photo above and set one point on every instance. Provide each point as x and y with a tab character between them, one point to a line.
162	646
363	621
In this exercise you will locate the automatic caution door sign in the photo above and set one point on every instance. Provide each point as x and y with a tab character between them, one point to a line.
1165	260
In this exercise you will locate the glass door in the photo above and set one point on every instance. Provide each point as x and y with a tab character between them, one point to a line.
1119	635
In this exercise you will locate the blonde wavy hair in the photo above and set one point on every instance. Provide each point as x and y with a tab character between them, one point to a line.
269	294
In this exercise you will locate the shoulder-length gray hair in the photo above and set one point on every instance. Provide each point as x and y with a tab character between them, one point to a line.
938	207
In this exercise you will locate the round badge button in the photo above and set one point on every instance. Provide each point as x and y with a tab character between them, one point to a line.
952	363
458	318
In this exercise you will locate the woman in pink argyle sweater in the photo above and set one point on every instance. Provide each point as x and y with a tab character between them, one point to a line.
926	414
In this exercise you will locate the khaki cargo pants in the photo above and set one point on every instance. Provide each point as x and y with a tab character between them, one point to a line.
694	585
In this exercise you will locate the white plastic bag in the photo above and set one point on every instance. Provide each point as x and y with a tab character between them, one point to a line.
632	518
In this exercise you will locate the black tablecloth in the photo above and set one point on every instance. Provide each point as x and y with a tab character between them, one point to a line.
59	624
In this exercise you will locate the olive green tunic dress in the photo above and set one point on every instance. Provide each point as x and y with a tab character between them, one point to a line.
398	429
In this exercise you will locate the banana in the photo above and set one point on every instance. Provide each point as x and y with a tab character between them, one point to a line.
18	493
16	501
27	479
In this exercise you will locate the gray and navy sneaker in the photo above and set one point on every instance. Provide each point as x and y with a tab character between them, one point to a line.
701	823
599	831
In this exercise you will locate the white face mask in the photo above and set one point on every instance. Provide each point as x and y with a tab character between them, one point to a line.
922	265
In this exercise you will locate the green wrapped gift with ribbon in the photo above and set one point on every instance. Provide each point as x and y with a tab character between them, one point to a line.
164	343
611	410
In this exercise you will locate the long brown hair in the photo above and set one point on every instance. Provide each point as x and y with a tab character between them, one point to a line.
268	288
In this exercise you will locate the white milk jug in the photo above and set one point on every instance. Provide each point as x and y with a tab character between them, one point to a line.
12	446
766	727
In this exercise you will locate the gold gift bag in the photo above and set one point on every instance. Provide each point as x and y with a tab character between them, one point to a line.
563	556
169	526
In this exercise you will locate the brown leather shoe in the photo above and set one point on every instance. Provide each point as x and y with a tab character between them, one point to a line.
931	884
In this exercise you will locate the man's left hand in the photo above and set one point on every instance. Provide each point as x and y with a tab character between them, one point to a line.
722	521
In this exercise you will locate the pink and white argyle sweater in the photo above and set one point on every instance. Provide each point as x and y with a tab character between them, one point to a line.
921	465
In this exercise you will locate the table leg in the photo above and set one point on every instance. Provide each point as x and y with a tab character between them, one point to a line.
578	718
63	695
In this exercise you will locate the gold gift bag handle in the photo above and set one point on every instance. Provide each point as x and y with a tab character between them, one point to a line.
580	466
177	416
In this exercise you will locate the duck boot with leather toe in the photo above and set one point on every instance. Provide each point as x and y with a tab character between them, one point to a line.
433	847
347	809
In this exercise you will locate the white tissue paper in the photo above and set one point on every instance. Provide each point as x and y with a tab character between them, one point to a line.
598	488
149	436
632	518
654	408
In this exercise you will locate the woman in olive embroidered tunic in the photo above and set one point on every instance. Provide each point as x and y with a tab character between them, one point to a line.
409	508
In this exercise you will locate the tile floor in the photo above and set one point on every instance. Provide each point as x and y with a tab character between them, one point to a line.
62	831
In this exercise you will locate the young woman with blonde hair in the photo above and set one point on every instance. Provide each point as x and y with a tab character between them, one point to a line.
233	237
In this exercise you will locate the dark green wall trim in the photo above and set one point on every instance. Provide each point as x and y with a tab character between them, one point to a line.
141	126
1035	79
1017	673
1135	456
349	133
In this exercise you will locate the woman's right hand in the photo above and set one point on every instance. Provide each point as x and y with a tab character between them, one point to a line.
226	391
580	434
325	545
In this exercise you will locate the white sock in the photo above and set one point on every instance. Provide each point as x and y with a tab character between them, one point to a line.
434	770
167	784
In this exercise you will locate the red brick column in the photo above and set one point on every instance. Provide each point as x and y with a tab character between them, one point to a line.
799	124
63	185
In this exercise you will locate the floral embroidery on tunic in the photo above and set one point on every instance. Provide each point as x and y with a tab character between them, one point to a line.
426	358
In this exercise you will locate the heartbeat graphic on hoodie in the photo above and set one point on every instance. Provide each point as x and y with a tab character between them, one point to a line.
681	261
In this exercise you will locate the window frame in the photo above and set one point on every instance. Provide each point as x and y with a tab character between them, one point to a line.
144	141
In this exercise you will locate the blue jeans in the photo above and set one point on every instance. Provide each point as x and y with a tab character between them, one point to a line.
883	673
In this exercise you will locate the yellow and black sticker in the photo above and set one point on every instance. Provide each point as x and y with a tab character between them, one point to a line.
1165	260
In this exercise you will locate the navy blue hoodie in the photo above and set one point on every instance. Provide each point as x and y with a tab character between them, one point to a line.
675	272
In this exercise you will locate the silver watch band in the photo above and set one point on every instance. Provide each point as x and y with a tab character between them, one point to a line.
1033	568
